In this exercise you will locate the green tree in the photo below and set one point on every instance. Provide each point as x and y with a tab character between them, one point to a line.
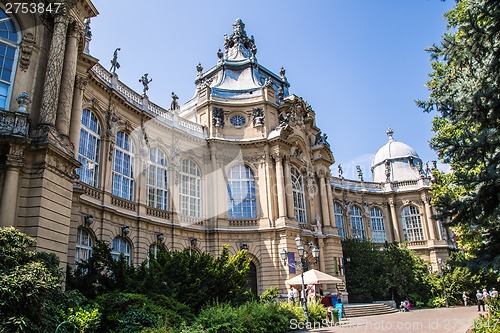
465	91
28	283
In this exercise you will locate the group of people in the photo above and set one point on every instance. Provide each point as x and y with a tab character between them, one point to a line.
483	297
405	306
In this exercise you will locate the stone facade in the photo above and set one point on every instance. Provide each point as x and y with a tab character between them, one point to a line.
242	163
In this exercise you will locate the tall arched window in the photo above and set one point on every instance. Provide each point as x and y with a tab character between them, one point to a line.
88	151
120	246
358	229
241	192
412	224
123	171
339	219
190	190
83	245
378	226
299	202
9	43
157	180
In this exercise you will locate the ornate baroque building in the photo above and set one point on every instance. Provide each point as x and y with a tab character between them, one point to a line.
83	158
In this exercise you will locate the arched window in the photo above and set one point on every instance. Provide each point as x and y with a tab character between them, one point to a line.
378	226
241	193
9	43
120	246
190	190
339	219
299	202
358	230
88	151
412	224
157	180
83	245
123	171
154	249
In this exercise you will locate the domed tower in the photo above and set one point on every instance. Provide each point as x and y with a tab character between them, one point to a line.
395	162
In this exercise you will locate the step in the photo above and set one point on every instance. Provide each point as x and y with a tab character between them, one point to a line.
362	310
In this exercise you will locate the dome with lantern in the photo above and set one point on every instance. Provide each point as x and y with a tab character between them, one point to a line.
395	162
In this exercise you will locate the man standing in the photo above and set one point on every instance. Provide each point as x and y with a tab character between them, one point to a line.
480	300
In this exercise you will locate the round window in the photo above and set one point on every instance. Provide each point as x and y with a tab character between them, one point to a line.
237	121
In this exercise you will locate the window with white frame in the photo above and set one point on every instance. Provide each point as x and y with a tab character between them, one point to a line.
123	167
241	193
83	245
190	190
339	219
157	180
358	229
299	202
412	224
9	45
153	250
120	246
88	150
378	226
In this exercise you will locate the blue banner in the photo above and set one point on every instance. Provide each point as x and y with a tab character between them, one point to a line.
291	262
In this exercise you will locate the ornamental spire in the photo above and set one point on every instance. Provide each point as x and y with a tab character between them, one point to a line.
389	133
239	46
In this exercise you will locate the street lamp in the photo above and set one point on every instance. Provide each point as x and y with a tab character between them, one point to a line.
442	267
302	265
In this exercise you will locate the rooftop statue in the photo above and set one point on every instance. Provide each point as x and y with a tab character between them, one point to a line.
145	82
174	105
114	62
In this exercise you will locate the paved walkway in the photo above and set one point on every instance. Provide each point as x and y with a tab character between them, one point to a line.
442	320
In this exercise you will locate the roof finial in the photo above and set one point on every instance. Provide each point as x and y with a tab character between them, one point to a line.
389	133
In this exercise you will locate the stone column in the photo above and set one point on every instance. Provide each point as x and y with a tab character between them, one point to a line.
76	113
66	93
395	223
329	196
325	213
428	214
389	230
9	194
54	71
280	186
289	190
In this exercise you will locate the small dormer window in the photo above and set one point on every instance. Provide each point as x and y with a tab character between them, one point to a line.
238	121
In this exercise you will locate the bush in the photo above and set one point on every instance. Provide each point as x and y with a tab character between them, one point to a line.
488	324
437	302
269	295
252	317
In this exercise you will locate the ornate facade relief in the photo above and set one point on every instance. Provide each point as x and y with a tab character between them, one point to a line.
27	44
218	117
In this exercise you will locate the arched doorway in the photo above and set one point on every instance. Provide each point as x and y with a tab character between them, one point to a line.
252	278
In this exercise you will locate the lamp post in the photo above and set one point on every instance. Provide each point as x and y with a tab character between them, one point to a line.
302	265
441	272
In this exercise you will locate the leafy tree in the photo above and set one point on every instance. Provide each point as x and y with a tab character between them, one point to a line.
465	91
28	282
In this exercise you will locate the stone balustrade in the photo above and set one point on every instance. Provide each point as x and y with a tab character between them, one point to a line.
14	124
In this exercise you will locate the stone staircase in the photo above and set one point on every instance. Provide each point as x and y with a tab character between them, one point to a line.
362	310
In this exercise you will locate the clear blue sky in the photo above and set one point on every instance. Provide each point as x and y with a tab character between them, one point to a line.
359	63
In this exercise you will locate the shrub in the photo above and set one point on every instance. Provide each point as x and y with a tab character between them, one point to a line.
269	295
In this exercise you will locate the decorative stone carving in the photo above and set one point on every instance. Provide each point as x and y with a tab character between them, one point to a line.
81	82
311	184
238	44
387	170
114	62
282	73
341	172
199	68
26	49
111	124
23	100
258	117
321	139
281	95
218	117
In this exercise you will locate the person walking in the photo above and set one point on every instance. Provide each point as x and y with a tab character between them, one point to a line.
480	300
295	294
465	298
494	293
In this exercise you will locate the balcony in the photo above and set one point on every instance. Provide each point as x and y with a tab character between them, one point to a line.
14	124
